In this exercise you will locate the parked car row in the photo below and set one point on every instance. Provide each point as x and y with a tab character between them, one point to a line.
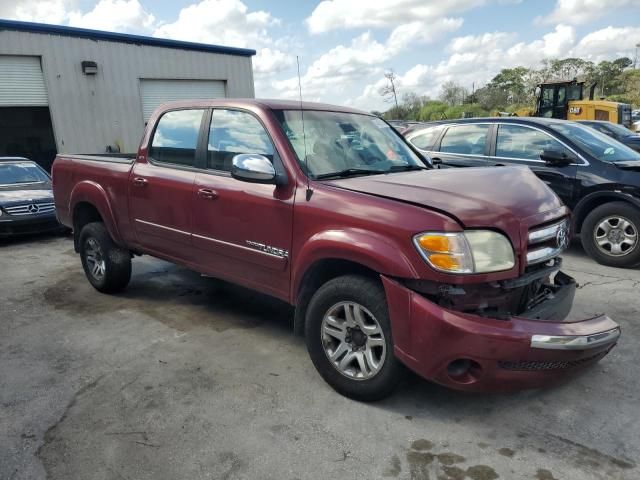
596	176
387	261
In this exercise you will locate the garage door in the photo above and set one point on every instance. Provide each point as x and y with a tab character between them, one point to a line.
21	82
156	92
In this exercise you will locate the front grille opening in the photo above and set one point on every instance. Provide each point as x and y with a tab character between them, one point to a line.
532	365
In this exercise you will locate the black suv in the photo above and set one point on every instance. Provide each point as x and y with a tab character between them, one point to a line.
595	175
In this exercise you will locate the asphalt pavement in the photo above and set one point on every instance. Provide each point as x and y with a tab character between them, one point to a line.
184	377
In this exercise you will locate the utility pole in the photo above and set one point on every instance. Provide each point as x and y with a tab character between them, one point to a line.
635	59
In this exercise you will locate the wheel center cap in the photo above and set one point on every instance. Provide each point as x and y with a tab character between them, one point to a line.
615	235
358	338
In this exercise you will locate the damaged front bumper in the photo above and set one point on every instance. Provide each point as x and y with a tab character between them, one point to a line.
478	352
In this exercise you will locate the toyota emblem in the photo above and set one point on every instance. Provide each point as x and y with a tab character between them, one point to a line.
562	238
33	208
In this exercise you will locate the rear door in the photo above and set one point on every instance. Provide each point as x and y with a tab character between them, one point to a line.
242	231
463	145
161	188
523	144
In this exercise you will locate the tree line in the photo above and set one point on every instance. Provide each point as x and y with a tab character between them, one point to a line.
513	89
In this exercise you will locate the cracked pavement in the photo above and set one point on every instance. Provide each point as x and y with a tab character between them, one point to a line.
188	377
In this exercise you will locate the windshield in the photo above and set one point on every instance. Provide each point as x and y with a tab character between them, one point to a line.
21	172
345	143
598	144
617	129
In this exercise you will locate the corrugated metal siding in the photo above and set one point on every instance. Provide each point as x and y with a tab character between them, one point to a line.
156	92
21	82
91	112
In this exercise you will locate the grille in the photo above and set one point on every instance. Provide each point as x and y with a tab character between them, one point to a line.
30	209
530	366
547	242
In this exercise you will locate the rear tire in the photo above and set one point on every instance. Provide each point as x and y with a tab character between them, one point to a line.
610	234
348	320
106	265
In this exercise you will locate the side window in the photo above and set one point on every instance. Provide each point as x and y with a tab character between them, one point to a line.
176	137
470	139
425	139
233	132
516	141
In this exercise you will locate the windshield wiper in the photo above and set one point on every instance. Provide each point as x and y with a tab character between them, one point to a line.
405	168
350	171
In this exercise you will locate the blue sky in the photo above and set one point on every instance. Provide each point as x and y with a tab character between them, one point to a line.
345	46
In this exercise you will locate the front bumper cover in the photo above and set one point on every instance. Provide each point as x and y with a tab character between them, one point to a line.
471	352
10	226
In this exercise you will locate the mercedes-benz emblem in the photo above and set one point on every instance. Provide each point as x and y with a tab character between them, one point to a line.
33	208
562	238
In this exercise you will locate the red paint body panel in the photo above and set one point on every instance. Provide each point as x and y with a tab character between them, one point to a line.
371	221
430	337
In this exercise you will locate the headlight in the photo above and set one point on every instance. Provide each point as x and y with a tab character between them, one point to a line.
473	251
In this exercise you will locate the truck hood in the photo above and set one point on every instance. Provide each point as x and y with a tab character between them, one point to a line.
476	197
37	192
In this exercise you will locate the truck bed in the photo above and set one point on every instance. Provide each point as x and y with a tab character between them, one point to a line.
76	175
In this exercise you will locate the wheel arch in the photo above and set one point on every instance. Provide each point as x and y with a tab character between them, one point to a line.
319	273
89	203
596	199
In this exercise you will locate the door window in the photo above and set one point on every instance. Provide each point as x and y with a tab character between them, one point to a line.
466	139
176	137
516	141
426	138
233	132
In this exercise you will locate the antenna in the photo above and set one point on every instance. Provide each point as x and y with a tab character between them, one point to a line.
304	134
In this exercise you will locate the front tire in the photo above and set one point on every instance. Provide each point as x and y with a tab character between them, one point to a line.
348	336
609	234
106	265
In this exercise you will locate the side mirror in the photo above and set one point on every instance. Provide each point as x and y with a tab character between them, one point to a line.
253	167
556	158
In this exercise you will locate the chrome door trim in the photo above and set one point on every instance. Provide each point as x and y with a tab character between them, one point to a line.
151	224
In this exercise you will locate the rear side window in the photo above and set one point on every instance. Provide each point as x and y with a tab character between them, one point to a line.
426	138
467	139
233	132
515	141
176	137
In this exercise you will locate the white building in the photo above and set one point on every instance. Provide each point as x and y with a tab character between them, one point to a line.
85	91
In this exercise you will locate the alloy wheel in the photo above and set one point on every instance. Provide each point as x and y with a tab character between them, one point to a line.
353	341
95	258
616	236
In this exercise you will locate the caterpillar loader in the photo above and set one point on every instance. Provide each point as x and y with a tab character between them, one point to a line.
565	100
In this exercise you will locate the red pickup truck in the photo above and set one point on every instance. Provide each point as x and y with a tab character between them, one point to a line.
453	274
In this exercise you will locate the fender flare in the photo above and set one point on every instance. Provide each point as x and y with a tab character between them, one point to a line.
369	249
92	193
579	210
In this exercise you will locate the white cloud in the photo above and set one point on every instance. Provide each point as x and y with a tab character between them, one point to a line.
229	22
224	22
271	62
342	14
607	43
119	15
44	11
577	12
474	60
344	65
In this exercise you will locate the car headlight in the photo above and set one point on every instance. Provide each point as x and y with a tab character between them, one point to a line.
473	251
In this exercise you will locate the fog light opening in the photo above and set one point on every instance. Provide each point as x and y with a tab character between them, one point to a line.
464	370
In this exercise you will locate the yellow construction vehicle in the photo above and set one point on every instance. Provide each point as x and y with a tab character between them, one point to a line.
566	100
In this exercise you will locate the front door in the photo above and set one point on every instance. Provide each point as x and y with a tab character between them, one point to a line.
242	231
463	145
522	145
161	189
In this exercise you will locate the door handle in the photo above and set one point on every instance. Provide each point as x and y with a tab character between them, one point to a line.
140	182
207	194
